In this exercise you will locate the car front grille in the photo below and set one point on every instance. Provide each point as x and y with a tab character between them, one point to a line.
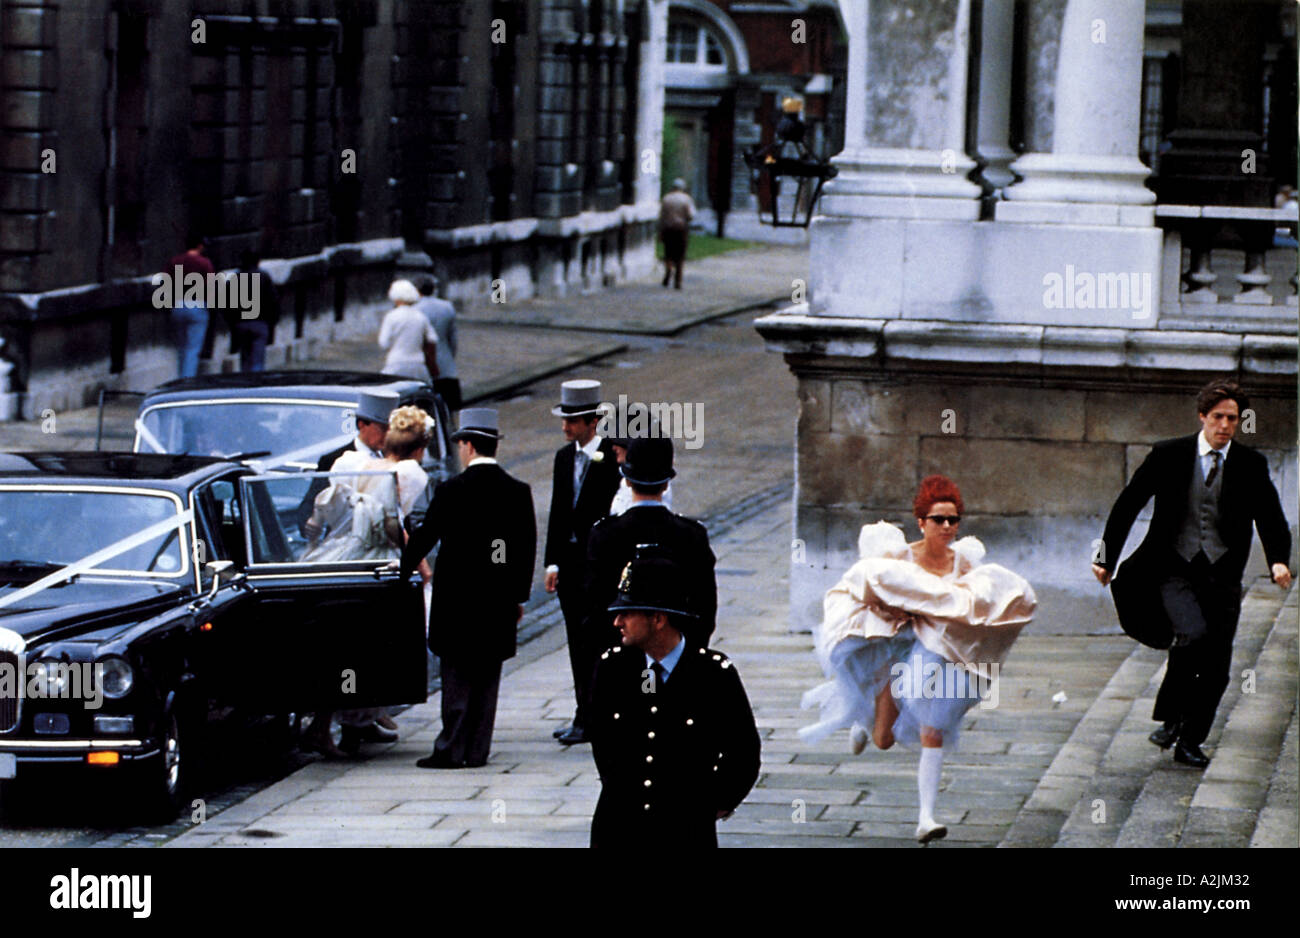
10	691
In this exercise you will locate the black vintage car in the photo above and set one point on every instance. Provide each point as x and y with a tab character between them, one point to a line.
139	593
292	418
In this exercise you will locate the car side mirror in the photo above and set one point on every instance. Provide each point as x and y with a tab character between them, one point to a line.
217	568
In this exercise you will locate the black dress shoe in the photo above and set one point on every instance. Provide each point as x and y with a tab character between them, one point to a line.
1165	736
573	736
437	760
1189	754
556	734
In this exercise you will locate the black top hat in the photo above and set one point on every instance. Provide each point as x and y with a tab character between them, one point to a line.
649	461
477	421
653	584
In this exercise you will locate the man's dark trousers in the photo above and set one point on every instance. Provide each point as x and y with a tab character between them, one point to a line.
1204	601
469	710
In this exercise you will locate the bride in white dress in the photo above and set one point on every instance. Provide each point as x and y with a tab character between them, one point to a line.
913	636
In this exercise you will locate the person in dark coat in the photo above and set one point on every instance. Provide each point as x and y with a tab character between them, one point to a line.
583	486
671	728
614	541
1181	589
485	522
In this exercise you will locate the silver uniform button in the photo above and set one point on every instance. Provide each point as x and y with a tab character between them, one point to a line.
726	664
649	758
647	783
650	735
654	709
647	807
690	722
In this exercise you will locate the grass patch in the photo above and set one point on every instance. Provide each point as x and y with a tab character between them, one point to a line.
706	245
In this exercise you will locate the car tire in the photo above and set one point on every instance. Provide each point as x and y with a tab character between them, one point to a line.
164	784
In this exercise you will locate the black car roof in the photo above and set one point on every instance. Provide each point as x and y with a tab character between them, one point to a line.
288	384
162	470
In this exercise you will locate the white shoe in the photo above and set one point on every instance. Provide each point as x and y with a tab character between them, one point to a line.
927	831
857	739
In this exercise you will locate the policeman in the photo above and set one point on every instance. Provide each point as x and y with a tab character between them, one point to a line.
672	731
615	541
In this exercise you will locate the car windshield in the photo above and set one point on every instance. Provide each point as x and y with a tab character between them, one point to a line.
63	527
228	428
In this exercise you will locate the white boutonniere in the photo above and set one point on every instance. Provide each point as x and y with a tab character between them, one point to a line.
598	456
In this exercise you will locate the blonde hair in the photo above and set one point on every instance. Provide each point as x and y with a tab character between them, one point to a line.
408	431
403	291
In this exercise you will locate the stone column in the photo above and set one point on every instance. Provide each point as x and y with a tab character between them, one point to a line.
996	51
1092	175
904	153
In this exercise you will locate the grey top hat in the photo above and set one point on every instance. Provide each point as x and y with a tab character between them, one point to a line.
478	421
376	406
578	398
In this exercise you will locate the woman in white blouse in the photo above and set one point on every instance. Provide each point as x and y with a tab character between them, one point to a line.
408	336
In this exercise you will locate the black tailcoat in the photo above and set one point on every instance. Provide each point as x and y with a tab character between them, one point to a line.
669	761
1247	498
568	521
684	541
484	519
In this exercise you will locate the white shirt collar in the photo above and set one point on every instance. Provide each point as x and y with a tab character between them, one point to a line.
365	450
592	445
482	461
1203	446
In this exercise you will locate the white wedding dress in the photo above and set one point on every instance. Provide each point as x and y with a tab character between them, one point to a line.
937	641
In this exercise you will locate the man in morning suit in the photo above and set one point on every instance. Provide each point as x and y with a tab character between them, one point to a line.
584	482
1181	589
372	412
615	540
481	579
671	728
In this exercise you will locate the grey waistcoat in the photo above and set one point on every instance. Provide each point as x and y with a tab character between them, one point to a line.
1200	529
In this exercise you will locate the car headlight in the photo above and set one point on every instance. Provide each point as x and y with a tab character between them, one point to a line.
47	678
116	676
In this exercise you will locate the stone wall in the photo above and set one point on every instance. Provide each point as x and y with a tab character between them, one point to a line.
1039	465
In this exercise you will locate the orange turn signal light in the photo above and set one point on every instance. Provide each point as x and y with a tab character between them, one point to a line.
103	758
205	627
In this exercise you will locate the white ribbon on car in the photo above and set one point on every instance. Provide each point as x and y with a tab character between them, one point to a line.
148	437
266	463
94	560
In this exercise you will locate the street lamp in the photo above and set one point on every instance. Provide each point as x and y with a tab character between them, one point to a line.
793	174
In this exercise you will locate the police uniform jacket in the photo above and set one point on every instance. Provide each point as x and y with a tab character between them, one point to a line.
669	761
485	522
682	540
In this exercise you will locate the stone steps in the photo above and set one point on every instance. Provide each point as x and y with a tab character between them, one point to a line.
1179	806
1108	786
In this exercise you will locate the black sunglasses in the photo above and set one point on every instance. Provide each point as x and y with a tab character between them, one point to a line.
953	520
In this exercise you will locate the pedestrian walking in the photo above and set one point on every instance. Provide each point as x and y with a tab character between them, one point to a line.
1181	589
250	337
672	731
442	316
584	480
408	336
484	520
189	318
676	210
650	524
913	636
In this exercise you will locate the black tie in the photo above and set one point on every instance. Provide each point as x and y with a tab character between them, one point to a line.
1214	469
661	676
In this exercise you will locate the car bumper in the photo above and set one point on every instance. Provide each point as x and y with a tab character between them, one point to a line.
35	752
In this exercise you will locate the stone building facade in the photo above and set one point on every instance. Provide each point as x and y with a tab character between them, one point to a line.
729	64
510	146
1002	293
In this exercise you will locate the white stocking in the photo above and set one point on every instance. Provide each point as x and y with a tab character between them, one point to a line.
927	781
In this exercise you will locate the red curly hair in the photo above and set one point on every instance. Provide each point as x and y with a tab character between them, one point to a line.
935	489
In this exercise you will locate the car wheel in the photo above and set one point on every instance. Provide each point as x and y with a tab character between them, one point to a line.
165	776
